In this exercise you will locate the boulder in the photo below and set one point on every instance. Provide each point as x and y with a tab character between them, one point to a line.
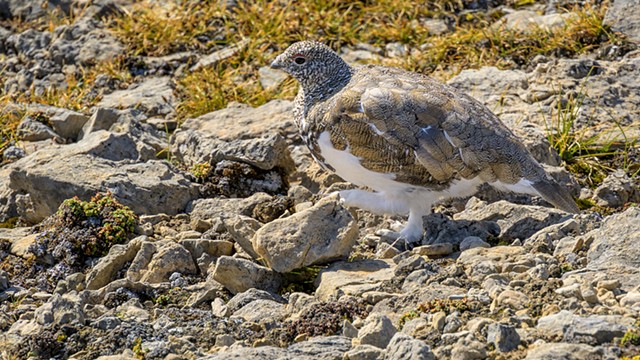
325	232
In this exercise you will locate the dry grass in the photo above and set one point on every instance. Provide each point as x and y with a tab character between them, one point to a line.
270	26
153	28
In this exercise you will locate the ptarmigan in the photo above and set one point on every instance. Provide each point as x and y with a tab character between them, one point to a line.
412	140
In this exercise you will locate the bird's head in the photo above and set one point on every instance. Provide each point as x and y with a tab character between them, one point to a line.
313	64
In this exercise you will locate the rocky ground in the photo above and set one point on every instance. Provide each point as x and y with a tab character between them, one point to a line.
130	233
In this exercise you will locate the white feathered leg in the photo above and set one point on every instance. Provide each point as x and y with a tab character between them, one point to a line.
414	229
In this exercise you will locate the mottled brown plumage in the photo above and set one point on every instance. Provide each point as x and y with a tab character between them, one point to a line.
411	139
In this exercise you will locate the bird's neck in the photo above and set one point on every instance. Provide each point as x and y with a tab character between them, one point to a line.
325	84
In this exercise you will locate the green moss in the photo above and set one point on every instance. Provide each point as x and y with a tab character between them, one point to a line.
114	222
631	338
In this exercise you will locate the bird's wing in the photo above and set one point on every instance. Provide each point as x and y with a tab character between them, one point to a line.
427	133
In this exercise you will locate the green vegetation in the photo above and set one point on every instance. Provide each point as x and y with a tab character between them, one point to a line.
201	171
446	305
589	153
113	222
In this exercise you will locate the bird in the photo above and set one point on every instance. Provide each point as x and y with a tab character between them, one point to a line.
406	140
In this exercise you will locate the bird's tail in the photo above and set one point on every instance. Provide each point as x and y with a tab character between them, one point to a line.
557	195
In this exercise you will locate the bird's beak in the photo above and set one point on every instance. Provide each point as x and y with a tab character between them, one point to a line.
276	64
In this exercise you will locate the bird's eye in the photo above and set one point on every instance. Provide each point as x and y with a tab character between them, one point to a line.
299	60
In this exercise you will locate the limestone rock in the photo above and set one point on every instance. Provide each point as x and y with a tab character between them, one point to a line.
323	233
154	96
261	310
377	331
526	21
504	337
614	249
404	347
515	221
566	351
616	190
623	16
364	352
170	258
353	278
239	275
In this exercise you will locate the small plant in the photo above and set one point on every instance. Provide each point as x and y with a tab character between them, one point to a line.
201	171
412	314
110	221
446	305
137	349
631	338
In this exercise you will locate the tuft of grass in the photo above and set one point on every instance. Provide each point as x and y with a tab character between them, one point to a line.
590	157
630	338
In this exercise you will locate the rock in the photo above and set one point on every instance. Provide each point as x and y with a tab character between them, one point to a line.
214	248
528	21
220	55
214	208
258	353
108	266
170	258
468	349
84	42
377	331
33	130
322	348
443	230
102	119
219	309
592	330
364	352
239	275
29	11
615	190
4	280
261	311
623	16
323	233
68	124
225	340
38	183
513	299
404	347
242	229
614	249
270	78
515	221
242	122
481	83
504	337
240	300
153	96
60	310
436	26
471	242
434	250
565	351
20	247
353	278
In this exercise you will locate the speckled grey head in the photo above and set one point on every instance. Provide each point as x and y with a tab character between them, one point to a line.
318	68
